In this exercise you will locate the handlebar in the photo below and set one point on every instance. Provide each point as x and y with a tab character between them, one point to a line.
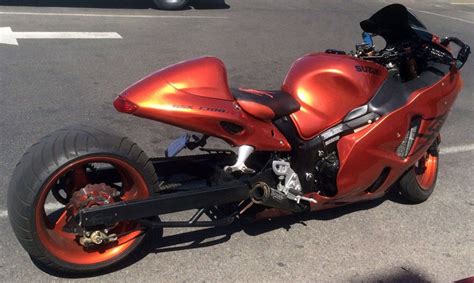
427	51
463	53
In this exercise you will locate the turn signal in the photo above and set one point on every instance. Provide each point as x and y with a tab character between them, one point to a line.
125	106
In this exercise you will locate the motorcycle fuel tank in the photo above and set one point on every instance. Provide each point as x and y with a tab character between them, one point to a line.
328	87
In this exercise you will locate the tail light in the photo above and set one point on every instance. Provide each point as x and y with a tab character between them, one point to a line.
124	106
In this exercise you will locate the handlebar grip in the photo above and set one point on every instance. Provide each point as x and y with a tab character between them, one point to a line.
463	53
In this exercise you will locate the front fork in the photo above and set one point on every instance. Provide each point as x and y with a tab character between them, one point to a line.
433	150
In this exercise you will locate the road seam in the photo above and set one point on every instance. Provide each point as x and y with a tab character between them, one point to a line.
440	15
434	14
111	15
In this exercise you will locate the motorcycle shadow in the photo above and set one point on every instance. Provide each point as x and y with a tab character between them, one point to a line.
218	235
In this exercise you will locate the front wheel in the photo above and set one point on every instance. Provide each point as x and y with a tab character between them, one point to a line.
419	182
171	4
71	169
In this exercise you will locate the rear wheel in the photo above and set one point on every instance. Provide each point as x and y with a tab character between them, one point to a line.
171	4
64	173
418	183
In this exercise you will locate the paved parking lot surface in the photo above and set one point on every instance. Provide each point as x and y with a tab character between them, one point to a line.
46	84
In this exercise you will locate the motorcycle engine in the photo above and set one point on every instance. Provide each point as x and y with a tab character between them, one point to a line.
317	167
316	162
326	173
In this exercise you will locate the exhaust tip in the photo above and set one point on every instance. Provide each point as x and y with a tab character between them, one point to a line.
260	192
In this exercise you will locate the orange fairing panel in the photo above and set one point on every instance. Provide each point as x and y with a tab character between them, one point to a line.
365	154
328	87
374	148
194	95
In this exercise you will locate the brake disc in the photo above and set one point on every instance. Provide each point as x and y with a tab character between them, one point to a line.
90	196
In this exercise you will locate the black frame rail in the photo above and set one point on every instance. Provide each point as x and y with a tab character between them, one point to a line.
162	204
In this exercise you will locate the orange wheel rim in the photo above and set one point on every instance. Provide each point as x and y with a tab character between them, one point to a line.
425	171
64	245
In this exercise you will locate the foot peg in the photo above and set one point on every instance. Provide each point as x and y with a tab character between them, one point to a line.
185	141
298	199
244	152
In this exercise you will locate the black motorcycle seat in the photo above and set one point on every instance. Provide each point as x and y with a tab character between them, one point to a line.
265	104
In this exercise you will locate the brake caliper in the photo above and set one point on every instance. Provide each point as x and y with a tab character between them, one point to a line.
90	196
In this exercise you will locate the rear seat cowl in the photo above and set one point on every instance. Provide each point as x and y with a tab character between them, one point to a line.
203	76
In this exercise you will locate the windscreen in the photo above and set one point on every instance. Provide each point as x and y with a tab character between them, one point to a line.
394	23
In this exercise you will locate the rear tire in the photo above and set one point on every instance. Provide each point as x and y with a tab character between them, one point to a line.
171	4
30	188
417	185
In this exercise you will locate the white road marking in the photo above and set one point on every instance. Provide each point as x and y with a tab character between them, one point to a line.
444	16
7	36
113	15
457	149
458	3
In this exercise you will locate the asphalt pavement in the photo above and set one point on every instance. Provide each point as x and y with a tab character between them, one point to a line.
48	83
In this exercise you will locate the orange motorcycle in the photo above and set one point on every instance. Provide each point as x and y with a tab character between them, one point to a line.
343	128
